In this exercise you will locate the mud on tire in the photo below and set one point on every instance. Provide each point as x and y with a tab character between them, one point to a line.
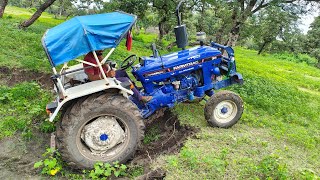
223	109
99	108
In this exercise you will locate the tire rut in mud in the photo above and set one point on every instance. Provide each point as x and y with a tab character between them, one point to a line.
169	140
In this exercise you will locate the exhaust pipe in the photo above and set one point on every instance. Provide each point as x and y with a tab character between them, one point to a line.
180	30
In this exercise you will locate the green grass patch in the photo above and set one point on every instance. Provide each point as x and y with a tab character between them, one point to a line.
21	106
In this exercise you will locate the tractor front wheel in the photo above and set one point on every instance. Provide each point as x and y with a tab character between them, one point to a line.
223	109
101	128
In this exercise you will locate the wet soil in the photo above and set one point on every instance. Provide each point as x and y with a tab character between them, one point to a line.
169	141
17	156
13	76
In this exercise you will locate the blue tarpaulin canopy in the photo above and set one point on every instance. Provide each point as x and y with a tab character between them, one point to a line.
83	34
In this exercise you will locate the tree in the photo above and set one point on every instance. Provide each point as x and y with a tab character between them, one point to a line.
271	24
3	5
61	8
165	10
89	6
243	9
214	19
137	7
313	41
37	14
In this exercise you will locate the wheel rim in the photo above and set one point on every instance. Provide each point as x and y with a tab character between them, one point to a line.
103	138
225	111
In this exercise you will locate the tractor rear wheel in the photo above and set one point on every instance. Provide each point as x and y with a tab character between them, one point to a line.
101	128
223	109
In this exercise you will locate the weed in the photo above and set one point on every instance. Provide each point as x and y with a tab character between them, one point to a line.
47	127
52	163
135	171
308	175
152	135
102	170
271	167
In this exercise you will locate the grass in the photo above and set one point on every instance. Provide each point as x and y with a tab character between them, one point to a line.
278	136
21	106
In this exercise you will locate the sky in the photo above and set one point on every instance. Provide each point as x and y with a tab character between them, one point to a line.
306	20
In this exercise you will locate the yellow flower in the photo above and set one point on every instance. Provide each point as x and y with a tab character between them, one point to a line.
54	172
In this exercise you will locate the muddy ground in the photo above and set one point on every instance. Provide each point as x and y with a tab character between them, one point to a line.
17	155
13	76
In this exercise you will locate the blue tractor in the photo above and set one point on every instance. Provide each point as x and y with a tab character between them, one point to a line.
100	120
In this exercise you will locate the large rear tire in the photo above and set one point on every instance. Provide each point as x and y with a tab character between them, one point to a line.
101	128
223	109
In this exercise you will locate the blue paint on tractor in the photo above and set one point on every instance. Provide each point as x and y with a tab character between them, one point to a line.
224	110
184	75
104	137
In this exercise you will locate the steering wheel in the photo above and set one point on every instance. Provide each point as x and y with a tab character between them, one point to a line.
128	62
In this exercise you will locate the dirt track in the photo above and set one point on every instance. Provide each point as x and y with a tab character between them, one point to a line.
18	155
11	77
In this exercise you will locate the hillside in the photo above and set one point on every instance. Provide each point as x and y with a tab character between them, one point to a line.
278	135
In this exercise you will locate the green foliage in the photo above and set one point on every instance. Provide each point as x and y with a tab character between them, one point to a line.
129	6
313	42
308	175
103	170
298	58
270	167
47	127
145	38
52	163
270	23
189	160
21	106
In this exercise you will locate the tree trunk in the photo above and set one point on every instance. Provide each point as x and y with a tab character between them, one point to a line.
262	47
234	34
235	30
37	14
162	28
3	5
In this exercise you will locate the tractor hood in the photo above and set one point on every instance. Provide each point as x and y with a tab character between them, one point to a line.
178	60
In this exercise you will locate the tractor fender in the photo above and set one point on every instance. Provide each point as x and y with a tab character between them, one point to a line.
86	89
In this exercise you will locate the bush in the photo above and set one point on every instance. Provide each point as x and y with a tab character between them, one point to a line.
298	58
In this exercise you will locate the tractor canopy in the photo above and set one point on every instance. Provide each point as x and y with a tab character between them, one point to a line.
83	34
